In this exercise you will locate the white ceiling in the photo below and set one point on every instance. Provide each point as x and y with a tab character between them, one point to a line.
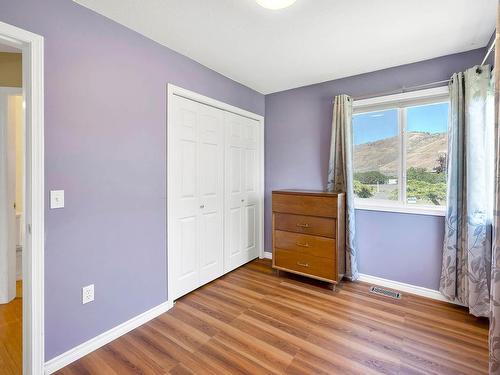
312	41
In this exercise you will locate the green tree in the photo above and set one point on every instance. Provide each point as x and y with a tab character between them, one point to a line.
362	190
371	177
421	174
429	187
442	163
426	191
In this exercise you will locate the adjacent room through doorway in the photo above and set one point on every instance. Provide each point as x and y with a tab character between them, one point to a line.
12	187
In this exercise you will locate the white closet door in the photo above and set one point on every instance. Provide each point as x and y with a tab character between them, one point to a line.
242	185
211	188
251	185
198	151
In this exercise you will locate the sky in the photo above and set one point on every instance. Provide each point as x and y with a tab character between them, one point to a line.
373	126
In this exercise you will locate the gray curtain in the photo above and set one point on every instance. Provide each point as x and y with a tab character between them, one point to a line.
494	336
466	267
340	175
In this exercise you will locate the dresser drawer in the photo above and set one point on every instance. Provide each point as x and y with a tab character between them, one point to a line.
315	266
305	205
318	226
305	244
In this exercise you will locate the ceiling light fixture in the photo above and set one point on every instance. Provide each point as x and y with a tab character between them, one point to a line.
275	4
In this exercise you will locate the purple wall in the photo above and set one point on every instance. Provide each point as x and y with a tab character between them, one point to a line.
105	145
401	247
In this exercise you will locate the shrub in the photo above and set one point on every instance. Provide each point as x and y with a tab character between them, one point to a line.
441	163
431	192
362	190
371	177
421	174
425	186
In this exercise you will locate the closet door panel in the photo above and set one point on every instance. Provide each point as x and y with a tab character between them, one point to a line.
185	191
249	232
234	159
251	192
211	188
234	216
189	251
242	178
188	190
234	191
234	225
211	248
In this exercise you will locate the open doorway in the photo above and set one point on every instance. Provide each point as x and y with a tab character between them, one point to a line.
12	177
21	202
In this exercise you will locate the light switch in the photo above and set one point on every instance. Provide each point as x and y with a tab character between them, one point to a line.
56	199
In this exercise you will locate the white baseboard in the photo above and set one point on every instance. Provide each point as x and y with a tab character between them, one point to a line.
408	288
82	350
399	286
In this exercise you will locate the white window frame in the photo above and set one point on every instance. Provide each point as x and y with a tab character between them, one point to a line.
400	102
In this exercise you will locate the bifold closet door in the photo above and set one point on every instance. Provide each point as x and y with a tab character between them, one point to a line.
197	195
242	179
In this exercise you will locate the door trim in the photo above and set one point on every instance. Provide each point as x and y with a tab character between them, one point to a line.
172	91
32	47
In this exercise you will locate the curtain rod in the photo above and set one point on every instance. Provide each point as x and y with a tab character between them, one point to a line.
489	51
413	88
401	90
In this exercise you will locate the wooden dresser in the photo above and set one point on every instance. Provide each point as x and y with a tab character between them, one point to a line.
309	234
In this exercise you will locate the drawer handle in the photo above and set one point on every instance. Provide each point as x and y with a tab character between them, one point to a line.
303	225
303	264
302	244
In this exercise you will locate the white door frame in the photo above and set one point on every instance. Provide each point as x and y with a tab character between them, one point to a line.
178	91
33	250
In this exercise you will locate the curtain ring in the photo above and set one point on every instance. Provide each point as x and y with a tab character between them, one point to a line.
479	70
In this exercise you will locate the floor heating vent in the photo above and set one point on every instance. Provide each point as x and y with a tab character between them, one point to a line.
385	292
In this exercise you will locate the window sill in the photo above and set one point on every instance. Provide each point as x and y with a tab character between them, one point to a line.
415	210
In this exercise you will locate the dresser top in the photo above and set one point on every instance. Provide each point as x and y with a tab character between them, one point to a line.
320	193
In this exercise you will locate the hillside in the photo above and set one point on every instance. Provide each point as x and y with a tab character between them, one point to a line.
423	150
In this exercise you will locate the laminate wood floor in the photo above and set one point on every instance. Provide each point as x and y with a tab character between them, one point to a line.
11	327
253	322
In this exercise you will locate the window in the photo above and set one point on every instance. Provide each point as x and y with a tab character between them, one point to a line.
400	152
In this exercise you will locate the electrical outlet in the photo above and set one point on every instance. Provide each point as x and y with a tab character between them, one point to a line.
87	294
